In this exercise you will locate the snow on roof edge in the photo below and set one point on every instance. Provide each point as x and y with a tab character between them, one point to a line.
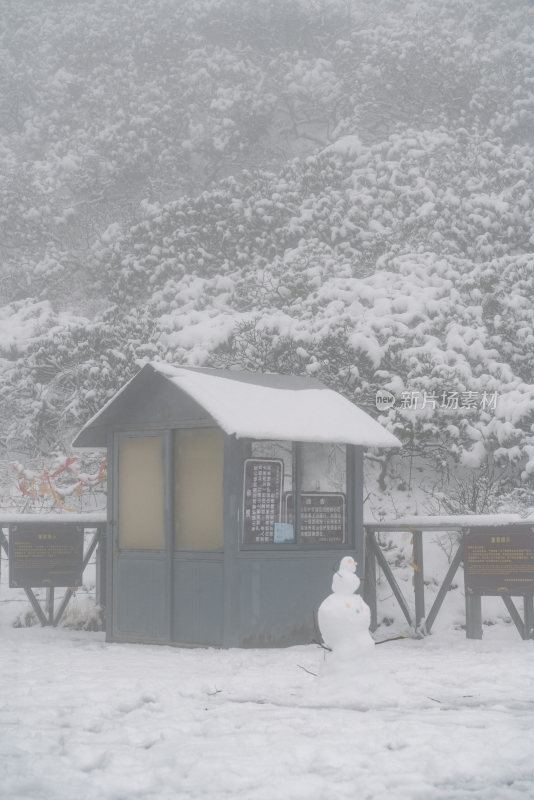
215	392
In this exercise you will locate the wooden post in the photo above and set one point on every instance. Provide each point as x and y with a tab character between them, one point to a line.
418	578
473	606
528	605
473	616
101	567
369	586
50	605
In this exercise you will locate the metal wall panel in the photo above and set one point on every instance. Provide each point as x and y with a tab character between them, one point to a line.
198	600
279	595
141	599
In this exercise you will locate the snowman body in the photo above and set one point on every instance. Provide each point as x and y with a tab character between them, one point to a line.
344	617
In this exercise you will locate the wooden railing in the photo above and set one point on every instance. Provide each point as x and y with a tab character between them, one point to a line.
415	614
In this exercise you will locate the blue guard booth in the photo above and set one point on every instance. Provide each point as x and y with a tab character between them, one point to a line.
232	497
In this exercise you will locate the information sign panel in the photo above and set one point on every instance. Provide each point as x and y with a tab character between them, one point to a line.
45	556
322	516
500	561
262	499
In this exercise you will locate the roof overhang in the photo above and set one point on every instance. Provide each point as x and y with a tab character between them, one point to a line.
255	406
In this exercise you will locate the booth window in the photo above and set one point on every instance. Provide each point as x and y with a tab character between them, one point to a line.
295	494
141	491
198	496
323	499
268	479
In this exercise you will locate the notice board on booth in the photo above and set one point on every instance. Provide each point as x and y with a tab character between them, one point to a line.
500	561
322	516
45	556
262	499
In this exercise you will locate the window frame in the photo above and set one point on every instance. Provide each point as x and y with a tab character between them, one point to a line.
299	545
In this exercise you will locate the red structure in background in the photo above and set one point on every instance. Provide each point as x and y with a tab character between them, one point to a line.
34	486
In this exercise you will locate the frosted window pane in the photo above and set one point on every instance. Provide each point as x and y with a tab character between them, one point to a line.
141	491
324	467
198	506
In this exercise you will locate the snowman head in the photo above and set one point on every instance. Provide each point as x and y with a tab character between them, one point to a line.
348	564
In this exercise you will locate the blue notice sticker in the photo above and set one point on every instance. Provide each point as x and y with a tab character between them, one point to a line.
283	532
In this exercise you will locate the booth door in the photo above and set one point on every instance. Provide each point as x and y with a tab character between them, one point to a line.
141	577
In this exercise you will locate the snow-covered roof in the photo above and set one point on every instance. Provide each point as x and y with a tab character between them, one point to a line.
266	406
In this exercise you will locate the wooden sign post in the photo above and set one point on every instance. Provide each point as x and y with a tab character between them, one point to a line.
45	556
499	562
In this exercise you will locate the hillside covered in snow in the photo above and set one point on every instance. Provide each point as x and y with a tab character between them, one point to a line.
328	188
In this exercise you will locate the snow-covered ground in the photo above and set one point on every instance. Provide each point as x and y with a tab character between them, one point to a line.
439	717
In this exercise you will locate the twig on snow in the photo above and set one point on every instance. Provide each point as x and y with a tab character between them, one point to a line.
307	670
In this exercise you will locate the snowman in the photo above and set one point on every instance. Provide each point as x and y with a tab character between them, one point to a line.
344	617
